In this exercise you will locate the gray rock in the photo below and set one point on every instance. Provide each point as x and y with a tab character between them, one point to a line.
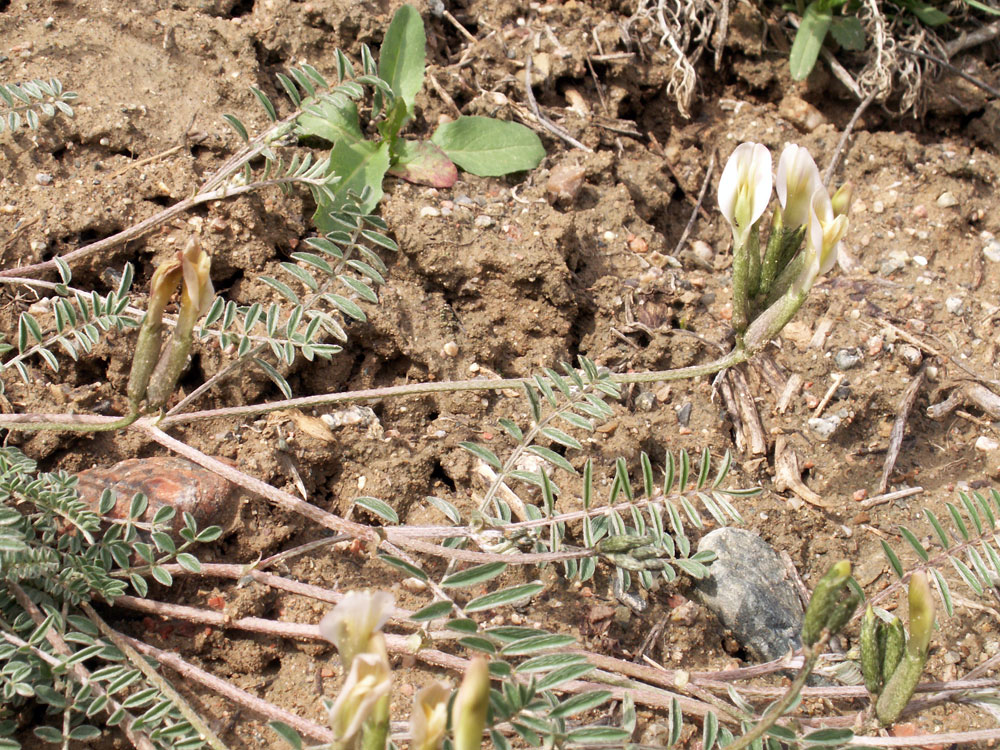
749	593
845	359
824	426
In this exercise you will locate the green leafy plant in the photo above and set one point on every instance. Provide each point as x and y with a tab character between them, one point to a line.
480	145
817	21
56	557
20	103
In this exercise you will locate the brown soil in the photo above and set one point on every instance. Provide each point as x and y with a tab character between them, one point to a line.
539	284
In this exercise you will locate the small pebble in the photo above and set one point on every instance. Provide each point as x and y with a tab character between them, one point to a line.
846	359
953	305
986	444
429	211
911	356
947	200
637	244
564	183
645	401
878	207
684	414
992	251
483	221
450	349
920	211
703	251
824	426
919	260
43	178
860	495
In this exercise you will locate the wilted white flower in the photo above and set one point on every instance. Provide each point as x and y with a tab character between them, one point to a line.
823	235
798	179
369	680
429	717
196	266
745	188
351	624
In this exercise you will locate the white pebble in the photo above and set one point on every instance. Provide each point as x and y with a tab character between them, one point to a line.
450	349
483	221
919	260
986	444
878	206
947	200
429	211
609	236
992	251
43	178
953	305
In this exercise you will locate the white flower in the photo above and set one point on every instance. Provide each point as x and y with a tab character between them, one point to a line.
823	235
369	680
429	717
798	179
351	624
745	188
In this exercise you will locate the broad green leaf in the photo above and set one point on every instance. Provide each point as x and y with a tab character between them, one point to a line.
809	40
848	32
423	163
358	165
488	147
401	57
483	453
829	737
404	566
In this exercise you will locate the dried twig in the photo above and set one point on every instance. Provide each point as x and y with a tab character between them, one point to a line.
890	496
697	205
954	69
899	426
544	121
842	143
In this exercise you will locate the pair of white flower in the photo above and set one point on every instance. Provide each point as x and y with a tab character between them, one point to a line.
353	627
745	191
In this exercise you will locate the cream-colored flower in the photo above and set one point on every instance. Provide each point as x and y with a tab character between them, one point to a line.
797	181
745	188
468	712
429	717
369	680
823	235
351	624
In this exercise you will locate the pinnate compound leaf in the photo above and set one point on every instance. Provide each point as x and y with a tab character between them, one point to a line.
488	147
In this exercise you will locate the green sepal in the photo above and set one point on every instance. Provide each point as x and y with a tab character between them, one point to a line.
825	598
871	656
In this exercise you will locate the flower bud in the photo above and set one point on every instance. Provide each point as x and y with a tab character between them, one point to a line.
841	200
468	713
901	686
871	656
823	603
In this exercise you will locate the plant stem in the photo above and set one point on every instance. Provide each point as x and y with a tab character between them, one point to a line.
155	679
768	720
